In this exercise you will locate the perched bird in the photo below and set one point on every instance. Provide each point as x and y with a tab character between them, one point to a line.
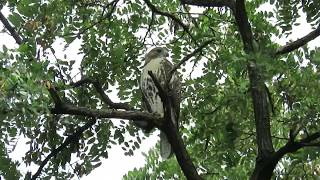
156	62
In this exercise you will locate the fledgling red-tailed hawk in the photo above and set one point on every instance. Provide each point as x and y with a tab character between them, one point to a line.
156	62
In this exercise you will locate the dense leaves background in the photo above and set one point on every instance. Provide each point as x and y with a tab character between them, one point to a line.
217	117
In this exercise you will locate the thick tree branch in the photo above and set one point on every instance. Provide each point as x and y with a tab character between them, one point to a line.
11	29
298	43
70	139
293	146
105	98
172	133
169	128
68	109
257	86
171	16
265	170
244	25
180	151
64	108
126	115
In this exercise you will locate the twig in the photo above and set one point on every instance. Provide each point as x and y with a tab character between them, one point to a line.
104	97
298	43
108	15
280	138
149	29
171	16
72	138
74	171
187	57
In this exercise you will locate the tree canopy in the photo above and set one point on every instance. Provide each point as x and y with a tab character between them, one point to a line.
250	104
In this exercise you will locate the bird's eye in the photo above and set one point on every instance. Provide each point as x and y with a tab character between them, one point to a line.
159	50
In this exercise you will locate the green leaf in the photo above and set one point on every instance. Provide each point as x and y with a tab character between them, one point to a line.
16	19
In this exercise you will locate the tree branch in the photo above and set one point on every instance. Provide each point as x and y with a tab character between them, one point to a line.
105	98
172	133
169	128
243	25
298	43
187	57
292	146
174	18
180	151
257	86
68	109
63	108
126	115
266	168
149	29
72	138
11	29
113	5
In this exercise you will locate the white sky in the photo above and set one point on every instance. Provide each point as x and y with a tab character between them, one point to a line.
117	164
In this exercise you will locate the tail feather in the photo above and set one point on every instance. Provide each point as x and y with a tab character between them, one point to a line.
166	150
165	147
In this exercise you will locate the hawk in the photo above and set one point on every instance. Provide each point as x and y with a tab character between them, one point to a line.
156	62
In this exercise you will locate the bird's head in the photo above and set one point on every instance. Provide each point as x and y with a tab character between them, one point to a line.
155	53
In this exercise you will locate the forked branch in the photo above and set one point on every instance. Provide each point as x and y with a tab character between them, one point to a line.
155	10
104	97
68	109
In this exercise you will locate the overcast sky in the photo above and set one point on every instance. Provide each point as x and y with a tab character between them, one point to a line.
117	164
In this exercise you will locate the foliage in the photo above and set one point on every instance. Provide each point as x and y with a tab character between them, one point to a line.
217	117
155	168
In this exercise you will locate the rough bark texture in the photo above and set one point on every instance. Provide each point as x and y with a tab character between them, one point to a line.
261	113
258	89
263	169
180	151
